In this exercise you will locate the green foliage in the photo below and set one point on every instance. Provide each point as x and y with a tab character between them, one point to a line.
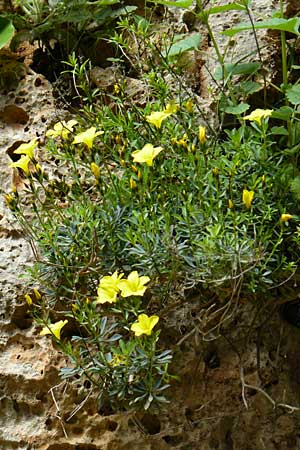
6	31
182	45
69	25
150	188
293	94
279	24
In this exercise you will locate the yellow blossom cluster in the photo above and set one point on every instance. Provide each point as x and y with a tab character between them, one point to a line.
26	151
112	285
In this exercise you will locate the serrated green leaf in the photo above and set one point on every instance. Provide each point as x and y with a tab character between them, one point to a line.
293	94
236	69
290	25
279	130
229	7
237	110
184	45
6	31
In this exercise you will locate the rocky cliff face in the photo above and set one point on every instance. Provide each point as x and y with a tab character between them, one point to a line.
235	393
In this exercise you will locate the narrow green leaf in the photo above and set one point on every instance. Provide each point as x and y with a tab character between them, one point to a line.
293	94
184	45
103	2
6	31
177	4
237	110
229	7
290	25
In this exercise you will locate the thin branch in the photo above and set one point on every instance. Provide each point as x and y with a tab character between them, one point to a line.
275	405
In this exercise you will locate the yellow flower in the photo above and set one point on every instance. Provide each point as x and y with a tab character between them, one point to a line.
111	281
189	106
258	114
22	163
118	360
87	137
171	108
27	149
134	285
37	294
215	171
202	135
117	89
144	325
118	139
54	328
109	288
285	217
28	299
9	201
132	183
106	295
62	129
156	118
96	170
147	154
247	198
230	204
182	141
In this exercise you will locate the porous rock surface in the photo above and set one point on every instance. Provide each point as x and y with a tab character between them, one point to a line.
208	410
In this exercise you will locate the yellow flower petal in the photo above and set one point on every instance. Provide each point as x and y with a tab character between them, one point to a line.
134	285
132	183
62	129
111	281
22	163
285	217
87	137
258	114
144	325
247	198
171	108
189	106
54	328
106	295
28	299
27	149
96	170
202	135
147	154
156	118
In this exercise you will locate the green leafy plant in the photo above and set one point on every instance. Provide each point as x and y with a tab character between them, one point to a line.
153	189
64	27
113	347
